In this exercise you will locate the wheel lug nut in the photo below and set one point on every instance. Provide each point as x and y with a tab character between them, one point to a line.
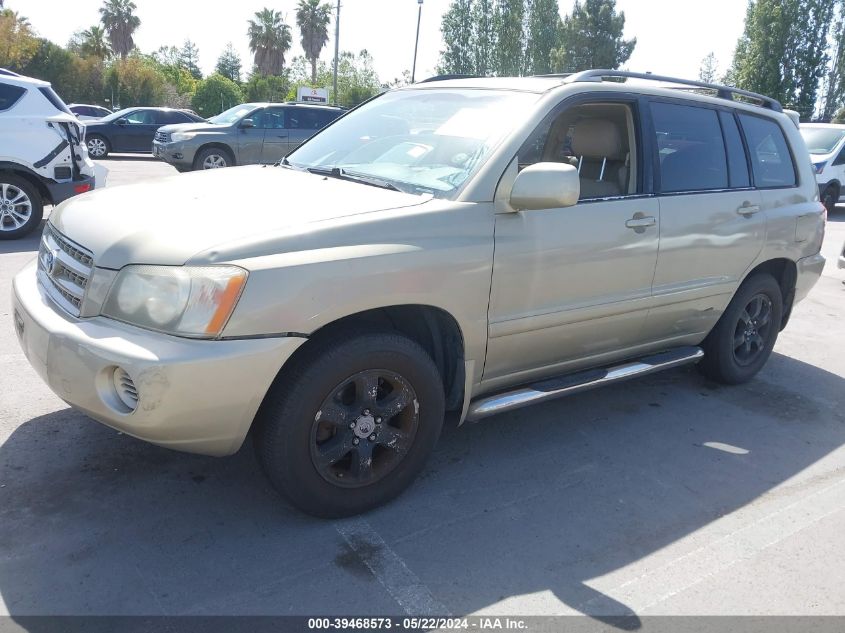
366	412
378	420
352	425
373	437
355	441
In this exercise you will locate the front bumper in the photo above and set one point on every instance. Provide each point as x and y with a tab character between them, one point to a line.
61	191
809	271
180	155
193	395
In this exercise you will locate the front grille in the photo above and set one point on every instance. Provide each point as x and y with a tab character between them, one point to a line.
162	137
63	270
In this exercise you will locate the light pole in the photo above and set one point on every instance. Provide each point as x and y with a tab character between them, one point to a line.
417	42
336	50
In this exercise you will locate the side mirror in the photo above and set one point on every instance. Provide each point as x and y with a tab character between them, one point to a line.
545	186
247	123
121	121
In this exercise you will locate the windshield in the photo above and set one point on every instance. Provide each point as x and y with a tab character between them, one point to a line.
420	141
232	115
821	140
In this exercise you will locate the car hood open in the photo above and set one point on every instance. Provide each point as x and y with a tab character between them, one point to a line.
166	221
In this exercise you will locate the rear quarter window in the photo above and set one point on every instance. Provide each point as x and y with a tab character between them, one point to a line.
9	95
53	98
771	160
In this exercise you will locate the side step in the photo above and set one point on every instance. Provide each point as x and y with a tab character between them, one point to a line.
581	381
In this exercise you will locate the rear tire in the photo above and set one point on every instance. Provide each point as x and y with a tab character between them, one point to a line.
213	158
351	423
21	207
745	335
830	197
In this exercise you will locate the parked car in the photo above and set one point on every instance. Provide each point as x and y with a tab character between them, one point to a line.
85	112
42	153
467	246
247	134
131	130
826	144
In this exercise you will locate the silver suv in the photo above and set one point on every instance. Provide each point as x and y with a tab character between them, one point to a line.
462	246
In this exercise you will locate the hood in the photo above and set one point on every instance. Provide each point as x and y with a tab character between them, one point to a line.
194	126
167	221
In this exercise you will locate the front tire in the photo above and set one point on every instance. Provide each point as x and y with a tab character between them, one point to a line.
98	146
830	197
21	207
351	423
745	335
213	158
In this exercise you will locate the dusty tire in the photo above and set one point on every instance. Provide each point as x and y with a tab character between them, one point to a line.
21	207
743	339
830	197
213	158
330	448
98	146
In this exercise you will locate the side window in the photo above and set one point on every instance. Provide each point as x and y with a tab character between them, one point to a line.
840	158
273	119
9	95
138	117
306	119
692	152
771	161
737	162
54	99
598	139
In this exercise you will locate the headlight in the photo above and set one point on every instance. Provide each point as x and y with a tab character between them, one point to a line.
182	136
818	167
194	301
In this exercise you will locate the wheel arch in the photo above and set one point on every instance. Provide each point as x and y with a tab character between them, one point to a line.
434	329
785	272
30	176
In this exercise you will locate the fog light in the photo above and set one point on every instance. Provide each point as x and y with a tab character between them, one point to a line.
125	388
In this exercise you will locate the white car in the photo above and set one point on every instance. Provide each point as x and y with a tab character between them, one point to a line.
826	144
85	112
43	158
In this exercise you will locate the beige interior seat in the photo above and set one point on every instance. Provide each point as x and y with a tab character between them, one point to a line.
602	158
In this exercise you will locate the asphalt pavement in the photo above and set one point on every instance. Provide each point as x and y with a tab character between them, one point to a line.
667	495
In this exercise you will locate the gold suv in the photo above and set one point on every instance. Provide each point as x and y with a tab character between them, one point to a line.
465	246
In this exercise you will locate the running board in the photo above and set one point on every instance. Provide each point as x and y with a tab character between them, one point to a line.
580	381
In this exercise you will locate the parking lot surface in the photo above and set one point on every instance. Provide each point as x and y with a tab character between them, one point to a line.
669	495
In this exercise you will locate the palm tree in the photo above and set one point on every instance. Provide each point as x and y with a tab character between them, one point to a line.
313	20
120	23
269	40
94	43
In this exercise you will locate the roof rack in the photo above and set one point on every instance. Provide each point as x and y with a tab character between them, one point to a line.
723	92
447	77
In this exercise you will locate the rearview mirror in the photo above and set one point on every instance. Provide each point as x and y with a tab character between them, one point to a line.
545	186
121	121
247	123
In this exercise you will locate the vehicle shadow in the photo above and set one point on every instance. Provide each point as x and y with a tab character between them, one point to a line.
24	244
540	500
148	157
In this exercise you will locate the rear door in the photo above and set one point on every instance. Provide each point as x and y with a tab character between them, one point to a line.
303	123
711	224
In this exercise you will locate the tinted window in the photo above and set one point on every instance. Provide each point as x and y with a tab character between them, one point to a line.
737	162
140	117
308	118
165	117
272	119
9	95
692	153
770	157
53	98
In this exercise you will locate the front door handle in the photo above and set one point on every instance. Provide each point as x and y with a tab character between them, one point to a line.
641	222
282	135
748	209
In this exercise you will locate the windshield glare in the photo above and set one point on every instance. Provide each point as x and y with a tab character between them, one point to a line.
421	141
232	115
821	140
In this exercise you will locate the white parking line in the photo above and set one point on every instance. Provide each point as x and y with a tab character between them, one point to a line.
390	570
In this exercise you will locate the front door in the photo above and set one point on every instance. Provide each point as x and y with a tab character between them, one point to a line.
275	135
571	286
251	139
136	134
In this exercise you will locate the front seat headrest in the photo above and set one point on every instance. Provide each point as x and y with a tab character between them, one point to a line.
597	138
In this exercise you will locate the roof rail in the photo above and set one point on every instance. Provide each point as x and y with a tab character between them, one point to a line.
8	73
723	92
447	77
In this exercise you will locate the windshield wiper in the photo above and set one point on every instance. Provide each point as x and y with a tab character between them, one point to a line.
342	174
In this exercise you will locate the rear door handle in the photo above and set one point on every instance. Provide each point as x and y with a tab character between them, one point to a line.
641	222
748	209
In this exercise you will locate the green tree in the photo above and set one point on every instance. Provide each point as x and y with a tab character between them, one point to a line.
458	58
591	37
543	28
215	94
782	50
53	63
357	79
17	41
189	57
508	18
91	42
135	81
269	40
708	69
313	19
834	92
229	64
273	89
483	37
120	22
